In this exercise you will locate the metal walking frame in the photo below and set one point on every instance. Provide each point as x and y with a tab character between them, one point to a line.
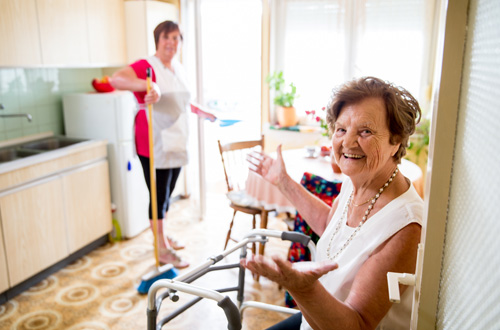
233	313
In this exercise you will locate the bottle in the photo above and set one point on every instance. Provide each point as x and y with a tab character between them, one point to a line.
116	232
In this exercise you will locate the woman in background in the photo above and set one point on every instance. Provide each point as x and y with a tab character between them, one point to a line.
170	96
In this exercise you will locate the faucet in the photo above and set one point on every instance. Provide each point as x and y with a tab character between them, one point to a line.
27	115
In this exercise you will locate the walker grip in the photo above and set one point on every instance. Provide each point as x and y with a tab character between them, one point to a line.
232	313
295	237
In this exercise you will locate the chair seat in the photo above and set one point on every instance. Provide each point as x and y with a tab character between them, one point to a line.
239	197
246	209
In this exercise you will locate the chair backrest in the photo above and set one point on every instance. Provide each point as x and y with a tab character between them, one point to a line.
234	161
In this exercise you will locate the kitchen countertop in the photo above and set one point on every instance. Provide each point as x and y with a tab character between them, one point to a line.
49	157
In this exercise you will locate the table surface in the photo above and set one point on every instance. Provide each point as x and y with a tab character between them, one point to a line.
265	195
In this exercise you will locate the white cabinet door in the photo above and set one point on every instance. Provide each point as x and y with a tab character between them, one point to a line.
34	229
19	33
141	18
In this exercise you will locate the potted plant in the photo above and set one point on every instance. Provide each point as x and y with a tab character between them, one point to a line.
419	143
284	97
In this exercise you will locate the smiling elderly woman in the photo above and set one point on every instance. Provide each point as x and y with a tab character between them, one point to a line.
373	226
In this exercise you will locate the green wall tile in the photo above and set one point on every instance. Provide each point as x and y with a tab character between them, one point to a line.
39	92
14	134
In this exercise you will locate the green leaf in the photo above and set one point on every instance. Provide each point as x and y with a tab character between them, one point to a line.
282	97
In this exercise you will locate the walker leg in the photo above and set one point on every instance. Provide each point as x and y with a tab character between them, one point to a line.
253	227
263	225
151	314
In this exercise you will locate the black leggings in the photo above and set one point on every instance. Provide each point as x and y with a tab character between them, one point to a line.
291	323
165	184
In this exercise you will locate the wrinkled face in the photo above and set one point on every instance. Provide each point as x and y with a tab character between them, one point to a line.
167	44
361	140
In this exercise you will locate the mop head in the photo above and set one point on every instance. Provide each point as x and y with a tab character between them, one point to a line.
164	272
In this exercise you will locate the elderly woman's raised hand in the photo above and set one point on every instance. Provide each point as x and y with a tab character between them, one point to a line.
296	276
272	170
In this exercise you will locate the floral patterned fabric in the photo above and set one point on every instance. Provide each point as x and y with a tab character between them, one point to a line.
325	190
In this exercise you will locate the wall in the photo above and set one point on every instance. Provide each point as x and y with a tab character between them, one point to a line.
38	91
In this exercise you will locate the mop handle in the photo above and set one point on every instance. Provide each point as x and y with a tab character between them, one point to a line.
152	173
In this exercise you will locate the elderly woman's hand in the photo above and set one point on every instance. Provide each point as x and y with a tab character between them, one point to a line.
294	277
272	170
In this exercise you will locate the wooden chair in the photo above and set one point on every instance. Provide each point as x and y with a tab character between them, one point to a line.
234	161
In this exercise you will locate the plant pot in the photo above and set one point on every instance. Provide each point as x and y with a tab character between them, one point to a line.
286	116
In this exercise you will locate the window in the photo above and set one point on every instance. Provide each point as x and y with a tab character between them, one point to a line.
320	44
231	76
231	46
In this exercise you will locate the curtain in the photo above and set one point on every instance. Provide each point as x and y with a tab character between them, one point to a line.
320	44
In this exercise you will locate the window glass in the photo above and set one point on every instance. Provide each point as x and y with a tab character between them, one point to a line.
390	42
231	79
231	46
315	50
320	44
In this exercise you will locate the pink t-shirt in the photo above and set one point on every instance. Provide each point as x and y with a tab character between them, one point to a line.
141	120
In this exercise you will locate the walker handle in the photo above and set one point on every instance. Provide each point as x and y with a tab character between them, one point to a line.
232	313
295	237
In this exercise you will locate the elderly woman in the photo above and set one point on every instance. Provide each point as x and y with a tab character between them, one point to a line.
373	226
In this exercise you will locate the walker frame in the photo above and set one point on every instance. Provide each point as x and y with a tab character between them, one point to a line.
233	313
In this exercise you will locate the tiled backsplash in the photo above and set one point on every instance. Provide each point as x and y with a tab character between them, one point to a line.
39	93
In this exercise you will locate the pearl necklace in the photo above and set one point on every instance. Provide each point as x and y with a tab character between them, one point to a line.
343	218
356	205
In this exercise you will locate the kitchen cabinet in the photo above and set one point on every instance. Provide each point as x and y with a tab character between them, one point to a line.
87	205
141	18
19	33
4	279
52	208
34	229
106	29
82	32
62	33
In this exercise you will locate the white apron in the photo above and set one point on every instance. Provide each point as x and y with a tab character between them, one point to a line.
170	122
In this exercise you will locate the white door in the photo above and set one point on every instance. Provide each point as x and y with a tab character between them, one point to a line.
224	63
459	281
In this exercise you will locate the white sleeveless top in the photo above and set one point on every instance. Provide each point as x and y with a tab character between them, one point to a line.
402	211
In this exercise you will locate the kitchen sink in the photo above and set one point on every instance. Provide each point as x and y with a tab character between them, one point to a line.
36	147
50	143
8	154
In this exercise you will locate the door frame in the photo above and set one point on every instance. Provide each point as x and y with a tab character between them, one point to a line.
445	104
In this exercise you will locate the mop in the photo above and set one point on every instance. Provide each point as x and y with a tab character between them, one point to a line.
167	271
